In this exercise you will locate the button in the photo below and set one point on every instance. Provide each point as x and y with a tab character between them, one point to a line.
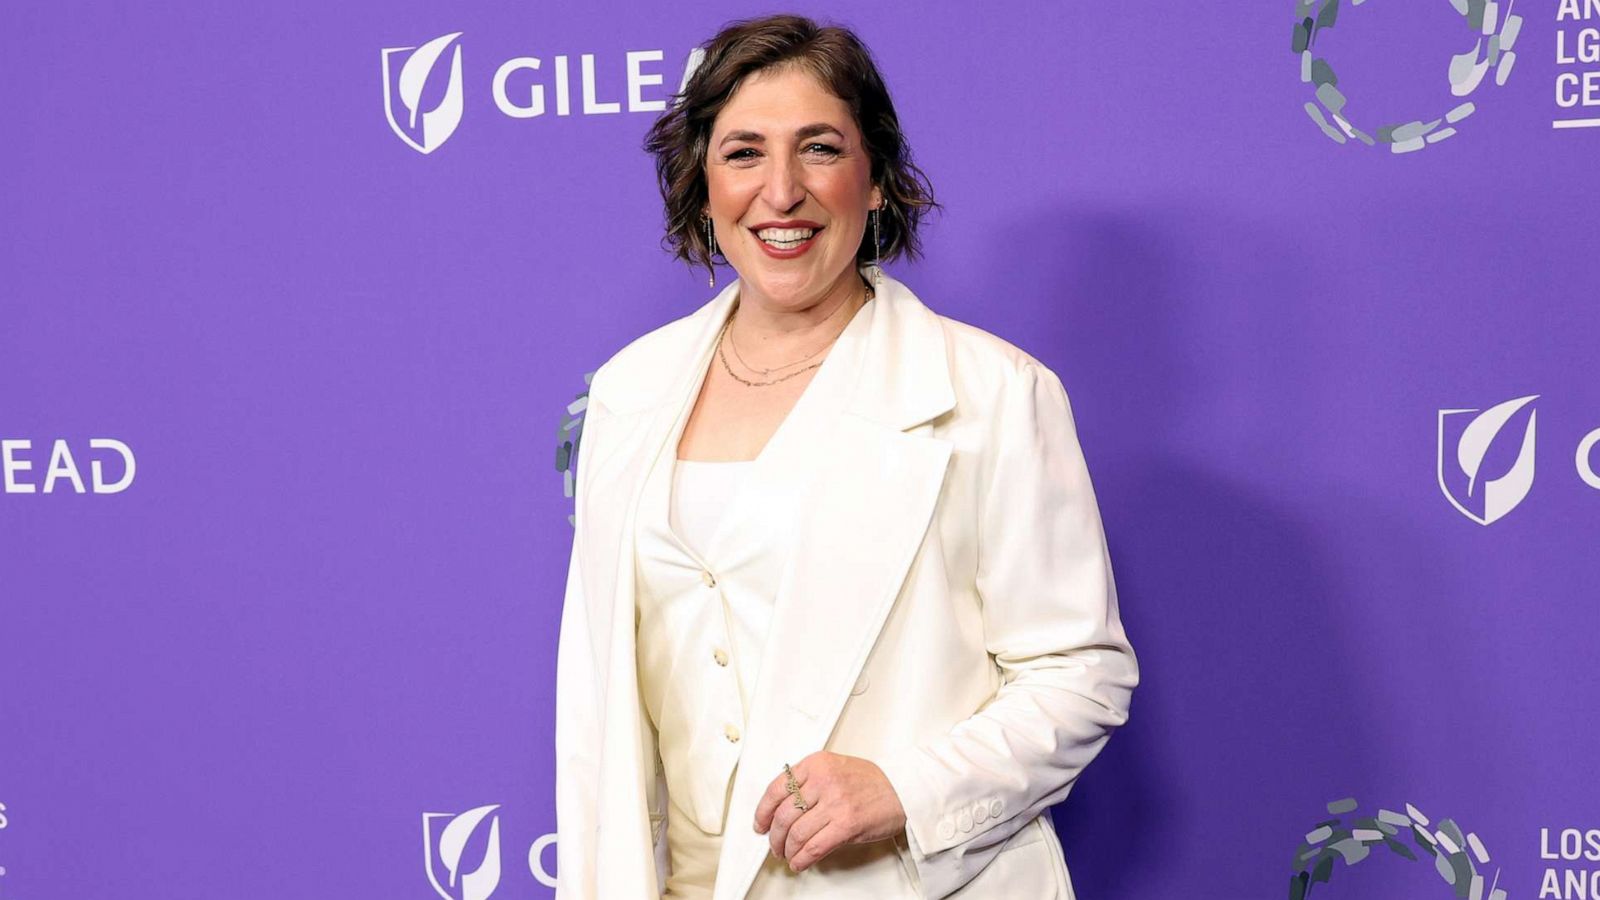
980	812
964	820
720	655
947	829
708	579
994	809
731	733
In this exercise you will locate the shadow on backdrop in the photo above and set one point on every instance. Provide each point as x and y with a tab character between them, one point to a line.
1220	585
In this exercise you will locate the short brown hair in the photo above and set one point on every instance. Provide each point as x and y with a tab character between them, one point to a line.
680	139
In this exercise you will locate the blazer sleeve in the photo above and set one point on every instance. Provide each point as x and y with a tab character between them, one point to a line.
1051	626
577	745
577	732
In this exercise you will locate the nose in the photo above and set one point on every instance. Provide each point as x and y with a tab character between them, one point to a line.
784	189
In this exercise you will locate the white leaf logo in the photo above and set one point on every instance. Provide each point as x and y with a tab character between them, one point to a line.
436	124
1496	496
477	884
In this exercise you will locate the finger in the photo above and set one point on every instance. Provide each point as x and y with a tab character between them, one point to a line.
824	842
776	794
786	810
782	820
800	770
804	829
770	799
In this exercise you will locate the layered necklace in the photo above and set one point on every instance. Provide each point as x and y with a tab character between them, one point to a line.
766	372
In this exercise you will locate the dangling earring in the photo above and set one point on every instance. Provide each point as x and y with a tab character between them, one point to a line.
711	251
877	251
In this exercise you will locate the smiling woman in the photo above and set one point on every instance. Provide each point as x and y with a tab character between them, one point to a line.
841	68
788	667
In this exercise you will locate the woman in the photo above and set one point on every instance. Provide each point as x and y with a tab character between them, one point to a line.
839	620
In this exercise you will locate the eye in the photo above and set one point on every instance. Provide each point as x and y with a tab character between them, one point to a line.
742	154
824	149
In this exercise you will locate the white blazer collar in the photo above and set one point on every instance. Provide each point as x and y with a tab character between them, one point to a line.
905	379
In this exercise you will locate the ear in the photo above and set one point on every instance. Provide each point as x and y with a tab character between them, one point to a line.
876	199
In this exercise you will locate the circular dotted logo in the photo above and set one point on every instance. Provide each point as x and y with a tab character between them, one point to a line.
1456	856
1493	29
567	438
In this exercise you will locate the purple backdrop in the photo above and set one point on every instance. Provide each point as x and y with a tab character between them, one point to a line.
326	603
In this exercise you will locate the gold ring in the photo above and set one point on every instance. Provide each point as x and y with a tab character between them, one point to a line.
799	803
789	784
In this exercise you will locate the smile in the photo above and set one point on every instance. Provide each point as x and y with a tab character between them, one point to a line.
786	242
786	238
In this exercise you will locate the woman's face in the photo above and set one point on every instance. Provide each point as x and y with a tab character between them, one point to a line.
790	185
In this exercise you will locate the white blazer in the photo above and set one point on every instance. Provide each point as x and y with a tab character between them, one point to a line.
949	614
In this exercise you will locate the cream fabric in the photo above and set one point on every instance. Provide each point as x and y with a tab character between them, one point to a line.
709	565
700	491
689	662
947	611
700	625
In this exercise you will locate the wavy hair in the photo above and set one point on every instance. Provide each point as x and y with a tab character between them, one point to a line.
680	139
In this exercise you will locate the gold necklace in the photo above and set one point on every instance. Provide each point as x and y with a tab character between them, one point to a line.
746	382
765	372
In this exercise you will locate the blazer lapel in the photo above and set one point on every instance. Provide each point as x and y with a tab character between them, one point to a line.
638	417
877	479
637	421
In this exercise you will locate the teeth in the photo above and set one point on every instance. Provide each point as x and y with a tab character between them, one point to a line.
786	236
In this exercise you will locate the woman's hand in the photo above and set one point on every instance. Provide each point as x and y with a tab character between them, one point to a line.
848	801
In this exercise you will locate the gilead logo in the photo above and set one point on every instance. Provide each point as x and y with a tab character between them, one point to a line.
24	470
461	853
424	88
445	853
1475	446
1474	492
424	130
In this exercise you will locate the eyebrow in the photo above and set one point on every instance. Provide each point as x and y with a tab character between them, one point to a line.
755	137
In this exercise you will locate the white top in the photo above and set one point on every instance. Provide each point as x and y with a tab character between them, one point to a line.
709	562
709	559
712	546
700	492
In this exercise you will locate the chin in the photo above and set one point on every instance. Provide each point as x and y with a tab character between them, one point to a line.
790	286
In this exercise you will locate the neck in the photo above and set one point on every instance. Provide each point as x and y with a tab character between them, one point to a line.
773	333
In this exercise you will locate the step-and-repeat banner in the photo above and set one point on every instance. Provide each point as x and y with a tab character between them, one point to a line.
297	302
